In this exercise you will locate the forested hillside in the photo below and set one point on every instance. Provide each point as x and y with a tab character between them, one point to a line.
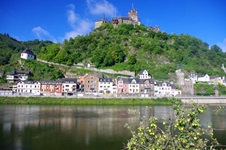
10	50
134	48
125	47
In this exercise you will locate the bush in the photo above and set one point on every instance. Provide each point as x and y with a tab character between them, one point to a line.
184	131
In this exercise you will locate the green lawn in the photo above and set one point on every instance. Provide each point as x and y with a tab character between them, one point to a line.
83	101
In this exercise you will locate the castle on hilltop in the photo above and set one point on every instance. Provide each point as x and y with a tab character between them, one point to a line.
131	18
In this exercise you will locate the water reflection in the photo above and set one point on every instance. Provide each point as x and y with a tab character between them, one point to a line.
80	127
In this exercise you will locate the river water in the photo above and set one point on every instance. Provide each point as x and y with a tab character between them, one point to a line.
26	127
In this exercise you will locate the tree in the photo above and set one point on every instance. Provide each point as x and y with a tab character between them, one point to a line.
184	131
132	59
216	48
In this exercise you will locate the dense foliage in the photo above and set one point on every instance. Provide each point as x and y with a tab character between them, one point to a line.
183	131
205	89
135	48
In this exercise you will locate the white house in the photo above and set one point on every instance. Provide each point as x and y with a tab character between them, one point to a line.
193	77
174	91
28	87
105	85
144	74
69	85
204	78
216	80
27	54
163	89
134	85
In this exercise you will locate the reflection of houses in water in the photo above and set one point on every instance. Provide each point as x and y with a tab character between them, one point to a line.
88	122
213	118
19	117
163	112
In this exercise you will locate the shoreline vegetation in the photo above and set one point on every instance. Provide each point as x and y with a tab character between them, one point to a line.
84	101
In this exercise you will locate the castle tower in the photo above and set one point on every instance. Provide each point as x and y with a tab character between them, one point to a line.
98	23
133	14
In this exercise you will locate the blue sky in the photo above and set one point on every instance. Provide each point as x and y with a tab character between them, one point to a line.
61	19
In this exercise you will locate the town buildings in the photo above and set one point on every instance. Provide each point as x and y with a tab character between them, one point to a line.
51	88
91	82
28	87
96	84
70	86
17	75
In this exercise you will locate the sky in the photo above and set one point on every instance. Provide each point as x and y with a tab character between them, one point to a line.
61	19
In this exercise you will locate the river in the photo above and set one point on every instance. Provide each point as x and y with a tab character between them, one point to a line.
26	127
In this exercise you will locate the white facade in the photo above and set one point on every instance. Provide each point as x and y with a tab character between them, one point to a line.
204	78
163	89
28	87
105	85
10	77
27	56
134	86
175	92
69	87
144	75
193	77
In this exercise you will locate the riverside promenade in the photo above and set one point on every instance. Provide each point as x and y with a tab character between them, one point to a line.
204	99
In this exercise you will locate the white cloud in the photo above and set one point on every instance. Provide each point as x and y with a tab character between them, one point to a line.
101	7
42	34
222	45
71	16
39	32
79	26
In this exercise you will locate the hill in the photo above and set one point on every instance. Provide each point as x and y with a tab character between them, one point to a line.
135	48
126	47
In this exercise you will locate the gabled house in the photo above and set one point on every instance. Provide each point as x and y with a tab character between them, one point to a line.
91	82
17	75
216	80
122	85
204	78
163	89
28	87
27	54
70	86
105	85
51	88
144	74
147	87
134	85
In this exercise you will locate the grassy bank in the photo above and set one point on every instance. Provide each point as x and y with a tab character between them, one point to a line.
82	101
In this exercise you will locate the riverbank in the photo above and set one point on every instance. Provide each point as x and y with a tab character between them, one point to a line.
204	99
83	101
